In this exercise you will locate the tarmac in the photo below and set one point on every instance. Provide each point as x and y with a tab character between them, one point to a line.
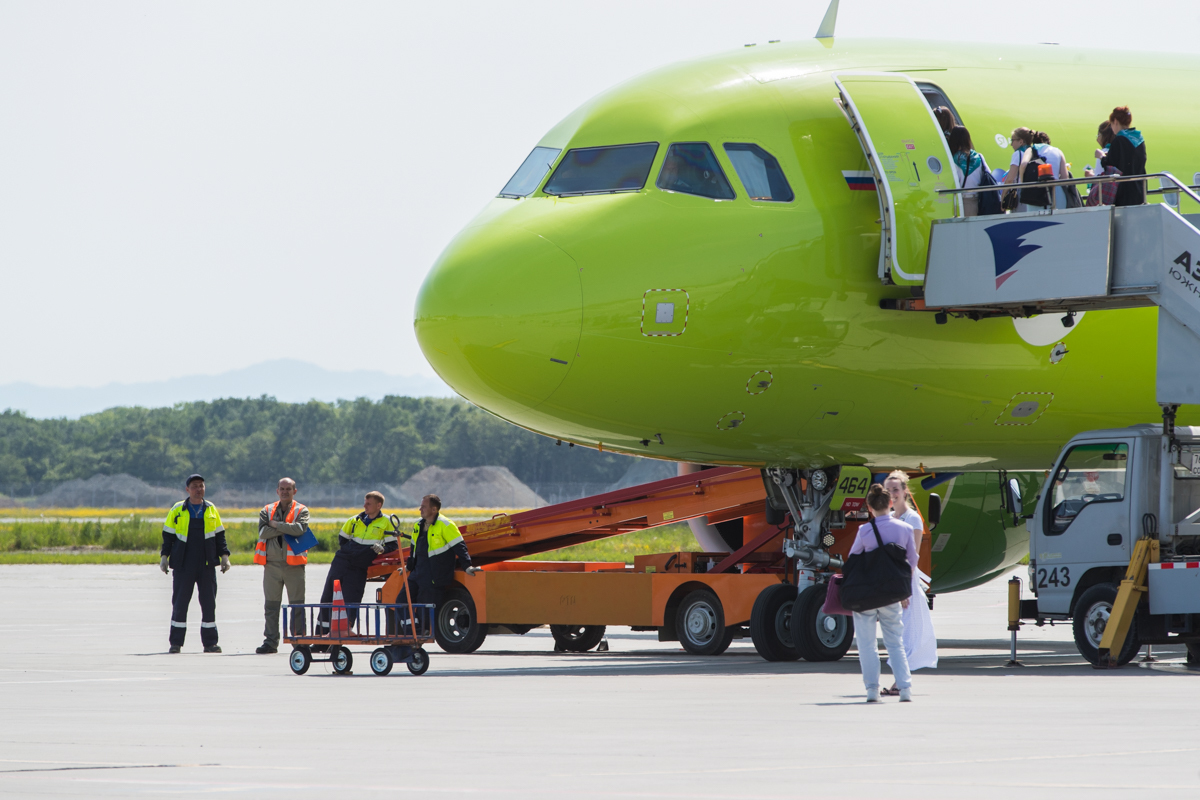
93	706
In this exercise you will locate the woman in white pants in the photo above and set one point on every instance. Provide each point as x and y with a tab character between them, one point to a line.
920	640
891	531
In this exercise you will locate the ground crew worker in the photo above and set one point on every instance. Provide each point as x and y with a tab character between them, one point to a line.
362	539
282	566
437	549
193	542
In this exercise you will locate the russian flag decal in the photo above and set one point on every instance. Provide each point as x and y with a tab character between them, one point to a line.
859	180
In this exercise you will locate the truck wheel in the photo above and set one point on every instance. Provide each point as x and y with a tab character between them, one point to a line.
458	629
819	636
576	638
770	623
1091	618
700	623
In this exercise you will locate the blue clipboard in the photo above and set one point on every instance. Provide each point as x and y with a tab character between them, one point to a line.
299	544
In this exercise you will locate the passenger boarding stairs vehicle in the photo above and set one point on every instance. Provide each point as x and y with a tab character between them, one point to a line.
1115	537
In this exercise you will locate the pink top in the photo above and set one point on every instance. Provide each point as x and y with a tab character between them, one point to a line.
892	531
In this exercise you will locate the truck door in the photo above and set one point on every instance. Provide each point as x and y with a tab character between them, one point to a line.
910	160
1085	520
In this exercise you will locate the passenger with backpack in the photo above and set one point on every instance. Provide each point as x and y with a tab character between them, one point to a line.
1062	194
876	584
1027	166
973	171
1128	154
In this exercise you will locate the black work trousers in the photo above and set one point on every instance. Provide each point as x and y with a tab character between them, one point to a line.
422	592
192	575
354	583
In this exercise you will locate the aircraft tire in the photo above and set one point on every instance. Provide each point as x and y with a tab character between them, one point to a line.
770	623
819	636
456	627
1091	617
576	638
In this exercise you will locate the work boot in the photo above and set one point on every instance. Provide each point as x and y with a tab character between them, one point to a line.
266	649
174	648
212	648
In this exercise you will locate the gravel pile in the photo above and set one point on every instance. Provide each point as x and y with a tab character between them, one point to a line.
478	487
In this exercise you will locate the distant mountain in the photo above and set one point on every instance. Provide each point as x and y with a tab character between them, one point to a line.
286	380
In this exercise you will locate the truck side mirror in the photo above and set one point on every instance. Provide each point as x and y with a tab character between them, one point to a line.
935	511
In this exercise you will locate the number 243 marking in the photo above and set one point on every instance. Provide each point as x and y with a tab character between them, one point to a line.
1059	576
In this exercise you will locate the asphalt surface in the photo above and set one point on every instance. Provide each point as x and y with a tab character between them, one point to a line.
93	706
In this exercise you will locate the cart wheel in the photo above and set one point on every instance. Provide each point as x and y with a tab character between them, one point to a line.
300	660
342	660
771	623
418	662
576	638
381	661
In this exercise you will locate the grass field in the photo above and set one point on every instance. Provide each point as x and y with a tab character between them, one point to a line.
136	540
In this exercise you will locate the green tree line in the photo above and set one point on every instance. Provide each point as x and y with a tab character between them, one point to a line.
257	440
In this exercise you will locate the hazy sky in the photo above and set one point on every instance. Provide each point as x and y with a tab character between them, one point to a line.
196	187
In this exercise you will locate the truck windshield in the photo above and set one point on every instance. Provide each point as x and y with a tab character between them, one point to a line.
531	172
600	170
1090	473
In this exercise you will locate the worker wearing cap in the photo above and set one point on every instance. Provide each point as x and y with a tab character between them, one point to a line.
282	566
437	549
362	539
193	545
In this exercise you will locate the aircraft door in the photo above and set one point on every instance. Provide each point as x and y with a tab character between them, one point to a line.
910	161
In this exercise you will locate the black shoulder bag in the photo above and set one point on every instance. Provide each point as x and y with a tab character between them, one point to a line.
876	578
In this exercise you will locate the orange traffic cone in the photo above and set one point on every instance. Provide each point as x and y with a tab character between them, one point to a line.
340	623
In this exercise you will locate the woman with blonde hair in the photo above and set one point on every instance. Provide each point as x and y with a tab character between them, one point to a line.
920	641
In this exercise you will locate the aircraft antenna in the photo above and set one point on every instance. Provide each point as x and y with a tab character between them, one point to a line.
828	23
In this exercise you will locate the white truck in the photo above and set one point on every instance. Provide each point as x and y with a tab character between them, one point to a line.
1114	541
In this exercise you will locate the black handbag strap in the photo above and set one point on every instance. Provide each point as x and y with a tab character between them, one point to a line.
875	528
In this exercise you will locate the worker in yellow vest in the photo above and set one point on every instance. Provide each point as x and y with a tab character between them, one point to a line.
193	545
437	549
282	566
361	540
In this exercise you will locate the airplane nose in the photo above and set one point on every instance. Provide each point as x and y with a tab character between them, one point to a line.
499	316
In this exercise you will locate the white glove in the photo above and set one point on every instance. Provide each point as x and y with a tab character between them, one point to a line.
378	547
162	564
224	564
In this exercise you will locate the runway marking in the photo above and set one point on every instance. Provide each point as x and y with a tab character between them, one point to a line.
103	766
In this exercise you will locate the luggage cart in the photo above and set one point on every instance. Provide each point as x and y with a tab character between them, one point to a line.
397	630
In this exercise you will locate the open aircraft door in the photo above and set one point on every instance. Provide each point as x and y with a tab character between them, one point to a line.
910	160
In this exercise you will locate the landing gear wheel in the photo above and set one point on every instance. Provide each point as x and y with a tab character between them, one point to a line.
418	662
457	627
341	659
700	623
1091	618
381	661
770	623
819	636
576	638
300	660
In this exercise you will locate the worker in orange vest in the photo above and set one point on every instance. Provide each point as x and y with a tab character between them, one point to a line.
282	566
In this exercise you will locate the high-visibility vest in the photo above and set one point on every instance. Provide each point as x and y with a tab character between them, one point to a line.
260	549
178	518
442	535
378	530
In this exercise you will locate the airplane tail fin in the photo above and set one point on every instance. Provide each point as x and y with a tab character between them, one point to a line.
829	22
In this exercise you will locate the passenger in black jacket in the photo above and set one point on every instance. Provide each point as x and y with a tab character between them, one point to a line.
1128	154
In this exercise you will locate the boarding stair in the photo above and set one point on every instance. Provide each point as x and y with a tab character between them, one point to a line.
1068	261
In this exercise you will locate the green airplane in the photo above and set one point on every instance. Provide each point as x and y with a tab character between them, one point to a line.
690	267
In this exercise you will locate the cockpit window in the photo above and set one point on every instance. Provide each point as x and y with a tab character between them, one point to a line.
599	170
760	173
531	172
692	168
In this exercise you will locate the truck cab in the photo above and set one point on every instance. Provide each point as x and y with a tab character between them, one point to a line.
1102	495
